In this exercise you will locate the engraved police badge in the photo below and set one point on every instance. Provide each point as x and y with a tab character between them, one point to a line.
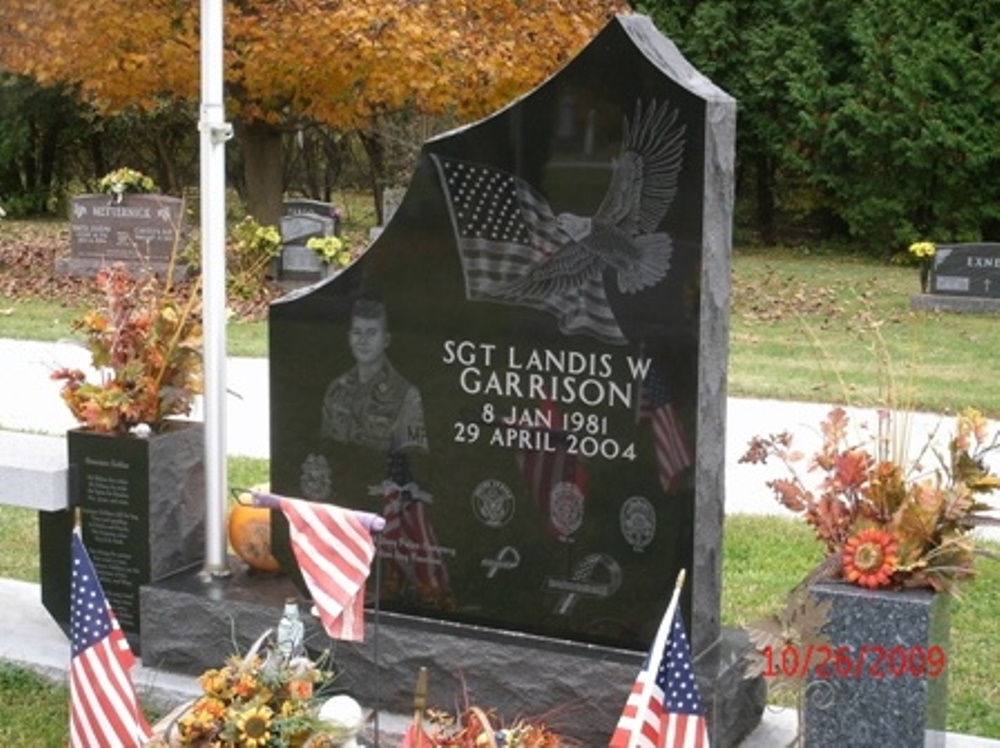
637	520
566	508
493	503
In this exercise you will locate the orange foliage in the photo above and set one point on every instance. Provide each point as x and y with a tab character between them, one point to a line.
332	61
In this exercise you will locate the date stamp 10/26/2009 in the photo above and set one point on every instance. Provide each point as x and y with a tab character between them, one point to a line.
867	661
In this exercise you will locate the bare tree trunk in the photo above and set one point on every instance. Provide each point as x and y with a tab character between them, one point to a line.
262	170
374	147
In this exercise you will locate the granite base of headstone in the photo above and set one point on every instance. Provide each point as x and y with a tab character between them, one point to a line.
963	278
145	232
887	683
515	674
142	516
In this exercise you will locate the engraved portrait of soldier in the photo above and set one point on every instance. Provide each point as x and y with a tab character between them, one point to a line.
372	405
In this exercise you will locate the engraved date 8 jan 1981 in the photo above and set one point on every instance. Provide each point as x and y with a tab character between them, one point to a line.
868	660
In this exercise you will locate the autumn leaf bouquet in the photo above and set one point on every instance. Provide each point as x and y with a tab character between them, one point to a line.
887	521
144	340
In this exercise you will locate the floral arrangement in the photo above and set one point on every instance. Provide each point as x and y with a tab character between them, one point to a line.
121	181
475	728
885	521
261	700
330	249
472	727
923	250
145	343
252	238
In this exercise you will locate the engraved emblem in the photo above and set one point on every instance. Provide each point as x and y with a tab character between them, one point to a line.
493	503
566	508
315	481
597	575
637	520
508	558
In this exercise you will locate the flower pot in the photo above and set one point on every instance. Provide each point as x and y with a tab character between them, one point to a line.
884	680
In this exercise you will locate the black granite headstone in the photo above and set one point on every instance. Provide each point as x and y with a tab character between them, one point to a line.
967	270
142	231
526	372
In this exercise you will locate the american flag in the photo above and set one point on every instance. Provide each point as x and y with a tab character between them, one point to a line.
503	228
664	709
334	550
414	548
104	709
544	469
670	441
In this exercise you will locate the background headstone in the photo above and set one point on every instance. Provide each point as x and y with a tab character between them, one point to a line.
967	270
142	231
298	262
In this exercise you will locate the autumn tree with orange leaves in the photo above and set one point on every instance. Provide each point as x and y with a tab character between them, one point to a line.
289	63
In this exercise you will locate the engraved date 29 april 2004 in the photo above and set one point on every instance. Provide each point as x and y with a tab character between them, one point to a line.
573	432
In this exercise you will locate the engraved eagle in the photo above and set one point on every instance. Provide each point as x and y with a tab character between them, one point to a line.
622	234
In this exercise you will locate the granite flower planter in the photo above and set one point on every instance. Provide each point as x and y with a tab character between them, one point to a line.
885	681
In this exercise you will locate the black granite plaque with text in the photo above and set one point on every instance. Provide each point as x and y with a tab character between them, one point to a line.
525	372
967	270
142	515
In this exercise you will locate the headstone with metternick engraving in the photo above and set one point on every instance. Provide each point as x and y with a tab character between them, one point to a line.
145	232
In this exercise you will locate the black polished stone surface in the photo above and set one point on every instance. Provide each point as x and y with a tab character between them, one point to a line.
142	515
537	290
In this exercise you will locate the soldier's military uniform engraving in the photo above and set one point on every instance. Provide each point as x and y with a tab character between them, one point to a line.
373	405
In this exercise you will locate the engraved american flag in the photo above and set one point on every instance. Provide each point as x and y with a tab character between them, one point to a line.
503	227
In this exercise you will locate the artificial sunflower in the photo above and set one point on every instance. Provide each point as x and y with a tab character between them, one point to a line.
870	558
254	726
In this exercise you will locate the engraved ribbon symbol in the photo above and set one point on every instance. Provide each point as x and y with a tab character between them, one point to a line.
507	558
581	583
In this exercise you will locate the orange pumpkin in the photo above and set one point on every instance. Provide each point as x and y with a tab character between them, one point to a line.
250	536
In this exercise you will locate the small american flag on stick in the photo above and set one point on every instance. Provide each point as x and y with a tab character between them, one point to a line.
664	709
104	709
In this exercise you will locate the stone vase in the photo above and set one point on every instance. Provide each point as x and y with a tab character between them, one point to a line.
925	276
142	514
879	686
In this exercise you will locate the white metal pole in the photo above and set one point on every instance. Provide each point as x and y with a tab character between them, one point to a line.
215	131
